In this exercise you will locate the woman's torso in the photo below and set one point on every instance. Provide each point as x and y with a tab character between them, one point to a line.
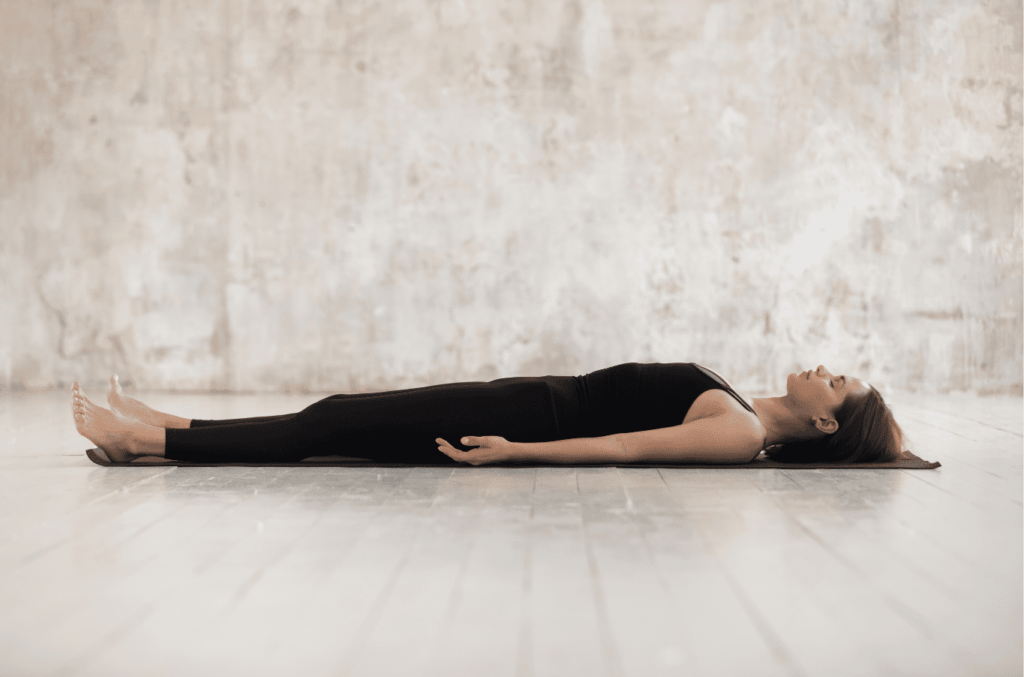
634	396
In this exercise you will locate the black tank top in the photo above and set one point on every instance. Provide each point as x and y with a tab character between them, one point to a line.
631	397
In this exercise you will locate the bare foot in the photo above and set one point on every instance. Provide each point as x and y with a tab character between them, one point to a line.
122	440
130	408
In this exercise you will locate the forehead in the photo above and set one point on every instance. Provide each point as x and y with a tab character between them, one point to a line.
856	386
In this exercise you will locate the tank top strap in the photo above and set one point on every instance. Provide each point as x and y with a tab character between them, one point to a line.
725	386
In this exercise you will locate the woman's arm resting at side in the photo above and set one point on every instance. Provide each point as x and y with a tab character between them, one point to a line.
717	439
721	439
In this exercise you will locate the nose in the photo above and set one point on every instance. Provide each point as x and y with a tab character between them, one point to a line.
821	370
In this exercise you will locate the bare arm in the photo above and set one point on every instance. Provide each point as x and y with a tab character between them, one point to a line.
718	439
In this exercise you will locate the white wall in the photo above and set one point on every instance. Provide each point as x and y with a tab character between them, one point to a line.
351	195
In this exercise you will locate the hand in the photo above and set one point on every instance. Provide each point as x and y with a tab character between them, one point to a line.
489	449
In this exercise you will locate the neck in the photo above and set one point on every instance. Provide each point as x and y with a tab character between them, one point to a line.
780	423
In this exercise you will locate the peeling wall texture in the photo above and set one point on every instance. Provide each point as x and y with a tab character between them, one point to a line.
350	195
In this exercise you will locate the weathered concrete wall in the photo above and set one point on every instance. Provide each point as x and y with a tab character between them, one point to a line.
352	195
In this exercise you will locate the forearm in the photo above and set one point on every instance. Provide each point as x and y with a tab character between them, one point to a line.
572	451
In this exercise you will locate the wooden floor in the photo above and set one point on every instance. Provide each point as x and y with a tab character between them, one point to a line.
519	572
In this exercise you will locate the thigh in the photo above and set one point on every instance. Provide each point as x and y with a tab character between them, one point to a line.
519	409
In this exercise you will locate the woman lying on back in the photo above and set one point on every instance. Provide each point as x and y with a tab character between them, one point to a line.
629	413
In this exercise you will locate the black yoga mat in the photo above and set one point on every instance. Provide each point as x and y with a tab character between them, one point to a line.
99	457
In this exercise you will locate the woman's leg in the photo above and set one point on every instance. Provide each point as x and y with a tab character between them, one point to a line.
130	408
203	423
396	426
131	429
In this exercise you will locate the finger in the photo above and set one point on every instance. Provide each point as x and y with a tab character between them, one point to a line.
446	448
472	441
449	451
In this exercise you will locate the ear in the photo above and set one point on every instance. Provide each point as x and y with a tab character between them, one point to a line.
826	425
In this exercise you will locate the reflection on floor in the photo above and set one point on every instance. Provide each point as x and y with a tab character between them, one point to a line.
519	572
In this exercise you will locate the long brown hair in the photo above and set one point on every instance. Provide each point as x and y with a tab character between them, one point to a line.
867	433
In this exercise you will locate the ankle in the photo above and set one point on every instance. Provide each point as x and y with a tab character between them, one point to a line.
171	421
147	440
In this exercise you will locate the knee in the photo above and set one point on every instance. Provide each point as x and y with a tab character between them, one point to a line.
314	412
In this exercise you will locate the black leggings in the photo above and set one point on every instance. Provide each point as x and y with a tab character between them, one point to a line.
398	426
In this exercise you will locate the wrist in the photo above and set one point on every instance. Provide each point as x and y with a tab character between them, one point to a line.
517	452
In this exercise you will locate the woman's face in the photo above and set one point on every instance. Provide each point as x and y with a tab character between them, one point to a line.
820	392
